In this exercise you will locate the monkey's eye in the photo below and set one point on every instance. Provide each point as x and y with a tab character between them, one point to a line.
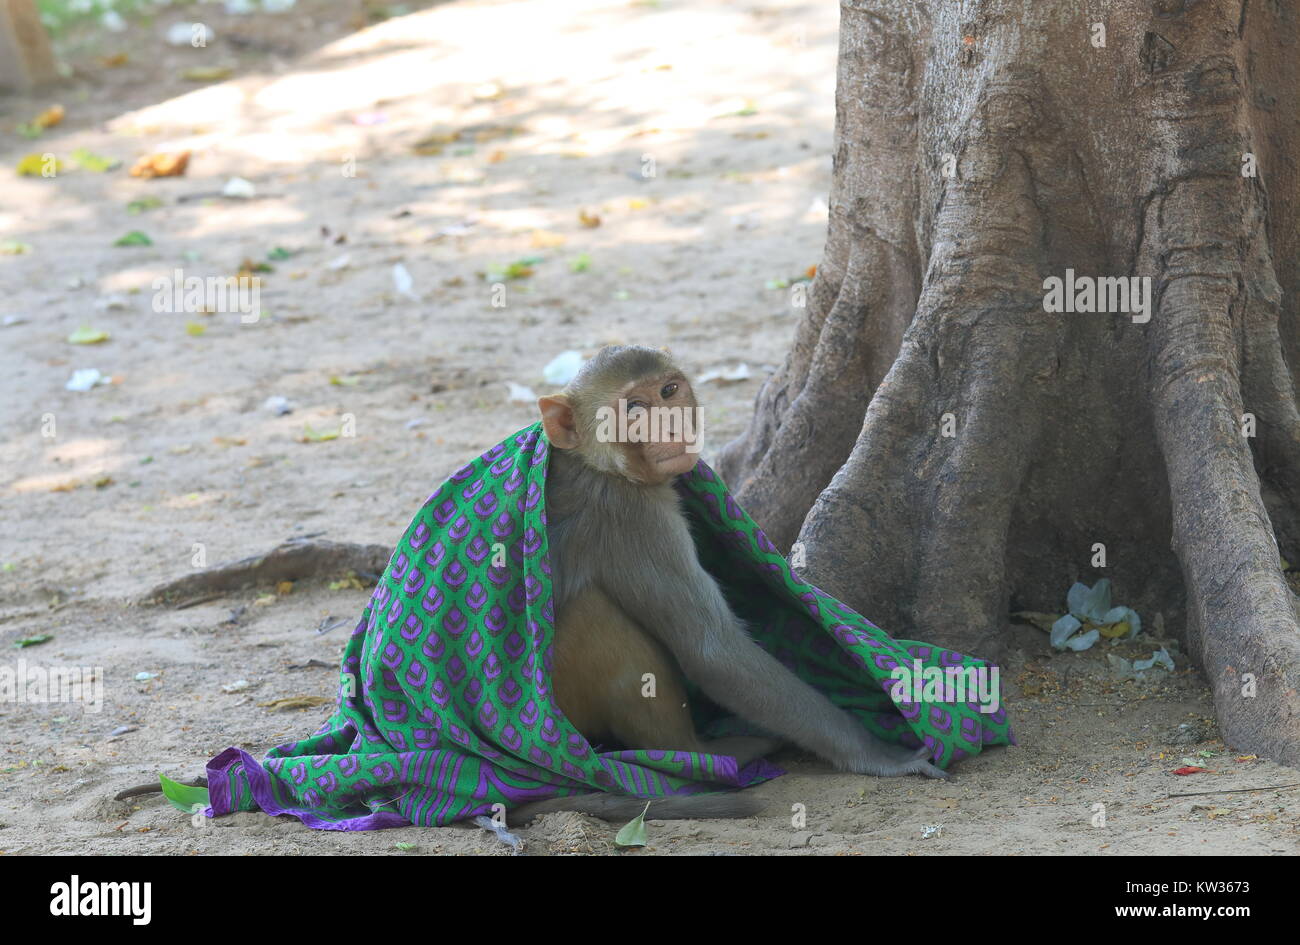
668	391
637	405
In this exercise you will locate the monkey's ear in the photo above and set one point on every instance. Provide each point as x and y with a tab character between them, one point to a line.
558	422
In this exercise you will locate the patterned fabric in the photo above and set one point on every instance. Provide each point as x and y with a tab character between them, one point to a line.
446	709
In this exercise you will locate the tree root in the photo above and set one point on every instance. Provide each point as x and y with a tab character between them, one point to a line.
809	412
1206	245
956	419
291	561
155	787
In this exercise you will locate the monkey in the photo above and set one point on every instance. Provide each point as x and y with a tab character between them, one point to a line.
632	598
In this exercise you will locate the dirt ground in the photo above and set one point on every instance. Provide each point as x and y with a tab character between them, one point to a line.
561	108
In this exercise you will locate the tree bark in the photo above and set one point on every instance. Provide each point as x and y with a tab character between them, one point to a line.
939	448
26	58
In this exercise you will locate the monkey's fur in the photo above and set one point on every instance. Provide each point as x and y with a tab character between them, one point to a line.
632	598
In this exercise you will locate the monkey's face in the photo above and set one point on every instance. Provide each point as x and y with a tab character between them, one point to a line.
630	412
658	432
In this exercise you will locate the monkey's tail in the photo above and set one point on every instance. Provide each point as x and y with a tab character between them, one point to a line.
616	807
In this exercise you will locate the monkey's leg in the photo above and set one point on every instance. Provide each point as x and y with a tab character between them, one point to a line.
600	659
613	678
645	693
585	656
664	720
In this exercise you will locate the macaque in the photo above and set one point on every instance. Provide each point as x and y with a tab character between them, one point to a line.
634	605
632	599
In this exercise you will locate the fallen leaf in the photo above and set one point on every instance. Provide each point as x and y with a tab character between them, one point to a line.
1190	769
318	436
134	238
519	269
544	239
207	73
46	119
633	834
144	204
162	164
248	267
85	335
1115	630
36	165
50	117
89	161
433	144
589	220
14	248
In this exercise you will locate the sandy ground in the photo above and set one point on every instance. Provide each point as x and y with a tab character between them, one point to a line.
561	108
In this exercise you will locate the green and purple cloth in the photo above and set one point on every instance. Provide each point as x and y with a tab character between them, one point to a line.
445	705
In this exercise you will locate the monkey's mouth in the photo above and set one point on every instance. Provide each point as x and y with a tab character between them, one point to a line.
674	461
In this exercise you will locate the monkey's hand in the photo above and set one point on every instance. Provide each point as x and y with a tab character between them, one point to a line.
891	761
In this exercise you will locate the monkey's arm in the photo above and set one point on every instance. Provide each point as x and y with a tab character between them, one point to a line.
681	604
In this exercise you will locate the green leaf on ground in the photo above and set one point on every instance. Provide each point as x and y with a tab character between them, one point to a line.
134	238
633	833
182	796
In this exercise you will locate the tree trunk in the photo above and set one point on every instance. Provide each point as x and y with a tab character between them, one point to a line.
945	448
26	59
